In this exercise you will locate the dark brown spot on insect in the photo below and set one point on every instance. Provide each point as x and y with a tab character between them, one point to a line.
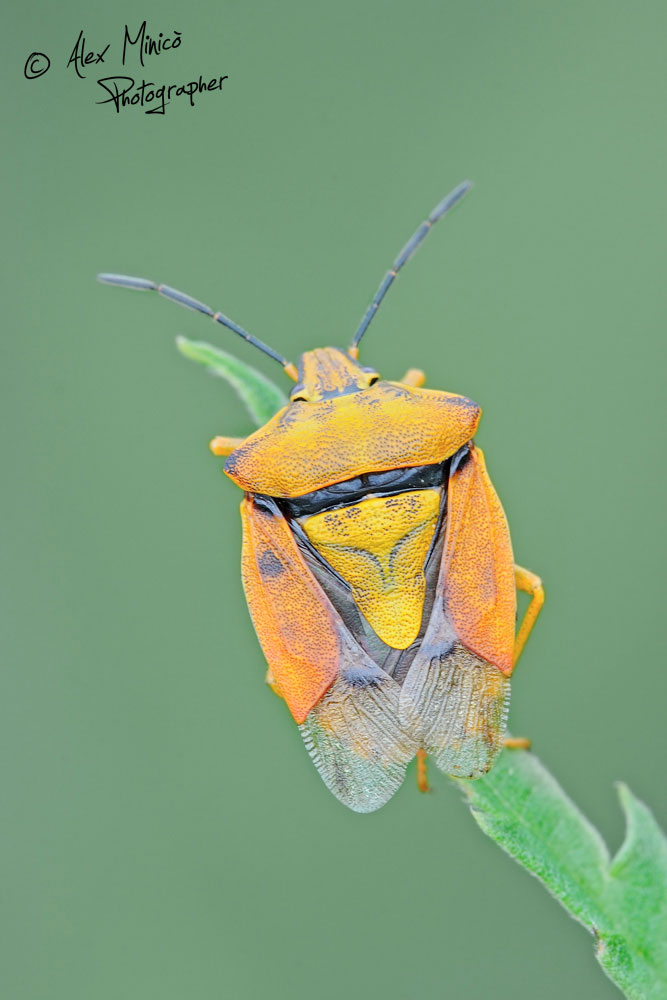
270	566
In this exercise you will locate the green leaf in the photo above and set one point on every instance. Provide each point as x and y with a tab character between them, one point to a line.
636	958
261	396
523	808
622	901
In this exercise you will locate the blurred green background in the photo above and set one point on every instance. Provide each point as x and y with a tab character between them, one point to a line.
164	834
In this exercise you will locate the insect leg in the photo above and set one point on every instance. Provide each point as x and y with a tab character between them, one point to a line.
225	445
415	377
422	774
516	743
530	584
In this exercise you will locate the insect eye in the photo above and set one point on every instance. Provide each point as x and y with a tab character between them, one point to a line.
298	395
371	376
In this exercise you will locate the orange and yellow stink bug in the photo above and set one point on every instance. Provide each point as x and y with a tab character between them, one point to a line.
377	565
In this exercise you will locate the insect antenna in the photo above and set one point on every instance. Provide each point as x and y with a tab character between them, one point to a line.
144	285
404	256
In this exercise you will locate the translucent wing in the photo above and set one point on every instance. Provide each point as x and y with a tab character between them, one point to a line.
346	706
456	705
356	742
455	696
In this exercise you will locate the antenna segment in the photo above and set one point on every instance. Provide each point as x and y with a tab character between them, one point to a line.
145	285
413	244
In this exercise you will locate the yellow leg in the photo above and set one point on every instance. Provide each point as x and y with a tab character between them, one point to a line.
516	743
224	445
415	377
530	584
422	774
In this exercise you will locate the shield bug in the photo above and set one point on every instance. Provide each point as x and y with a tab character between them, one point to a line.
377	564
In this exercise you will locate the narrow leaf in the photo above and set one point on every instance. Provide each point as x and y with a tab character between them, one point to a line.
261	396
524	809
623	901
636	955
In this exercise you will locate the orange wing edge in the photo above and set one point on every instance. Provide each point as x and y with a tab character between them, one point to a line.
296	625
480	594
